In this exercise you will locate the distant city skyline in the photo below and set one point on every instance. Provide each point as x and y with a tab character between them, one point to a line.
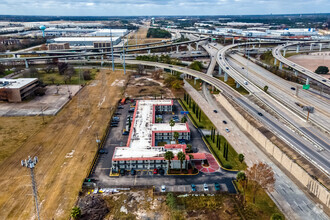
160	7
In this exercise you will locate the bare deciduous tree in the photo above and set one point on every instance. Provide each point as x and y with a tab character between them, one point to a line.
140	69
156	74
260	175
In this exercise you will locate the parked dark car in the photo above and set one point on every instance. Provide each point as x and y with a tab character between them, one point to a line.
224	122
260	114
293	88
103	151
217	186
161	171
215	111
120	107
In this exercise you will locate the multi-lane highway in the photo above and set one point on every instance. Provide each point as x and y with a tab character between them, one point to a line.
278	55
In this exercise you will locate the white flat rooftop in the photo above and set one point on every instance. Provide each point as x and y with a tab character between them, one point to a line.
83	39
15	83
140	140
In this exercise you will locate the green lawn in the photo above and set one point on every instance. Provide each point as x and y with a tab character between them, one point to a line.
233	162
232	84
205	121
263	208
198	85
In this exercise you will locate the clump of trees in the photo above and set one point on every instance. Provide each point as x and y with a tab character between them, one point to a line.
161	59
158	33
173	81
322	70
196	65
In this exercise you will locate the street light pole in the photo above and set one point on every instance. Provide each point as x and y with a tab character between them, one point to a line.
30	163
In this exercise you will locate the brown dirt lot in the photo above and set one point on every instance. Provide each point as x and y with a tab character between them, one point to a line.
65	147
146	86
311	62
141	35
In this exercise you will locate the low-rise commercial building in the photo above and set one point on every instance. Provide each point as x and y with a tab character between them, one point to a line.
15	90
141	151
58	46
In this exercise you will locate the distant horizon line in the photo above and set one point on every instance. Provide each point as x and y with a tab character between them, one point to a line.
271	14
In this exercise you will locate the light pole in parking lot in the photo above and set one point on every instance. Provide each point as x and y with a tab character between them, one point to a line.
30	163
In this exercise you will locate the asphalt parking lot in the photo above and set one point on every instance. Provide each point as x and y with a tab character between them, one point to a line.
174	183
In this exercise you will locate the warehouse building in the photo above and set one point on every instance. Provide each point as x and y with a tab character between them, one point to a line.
141	151
84	41
15	90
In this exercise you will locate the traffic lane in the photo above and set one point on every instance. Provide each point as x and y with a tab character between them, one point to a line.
312	153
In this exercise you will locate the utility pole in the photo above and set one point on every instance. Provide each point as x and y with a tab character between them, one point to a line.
30	163
124	55
113	63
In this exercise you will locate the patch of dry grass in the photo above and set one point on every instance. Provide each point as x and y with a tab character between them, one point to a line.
65	147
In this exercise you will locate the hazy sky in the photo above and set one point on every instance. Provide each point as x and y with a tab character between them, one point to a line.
161	7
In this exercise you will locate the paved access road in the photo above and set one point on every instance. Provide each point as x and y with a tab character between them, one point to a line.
287	195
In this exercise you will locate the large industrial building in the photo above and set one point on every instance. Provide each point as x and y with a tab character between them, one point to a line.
85	32
15	90
84	41
141	151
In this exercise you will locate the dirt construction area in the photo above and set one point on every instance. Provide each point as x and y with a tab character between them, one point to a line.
65	147
49	104
311	62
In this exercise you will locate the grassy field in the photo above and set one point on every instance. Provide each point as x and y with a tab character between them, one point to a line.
14	131
263	208
233	162
65	147
76	79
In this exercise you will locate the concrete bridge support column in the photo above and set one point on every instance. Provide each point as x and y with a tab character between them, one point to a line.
121	57
237	85
197	44
320	46
295	73
177	49
298	47
311	47
275	61
220	70
26	64
307	81
195	80
233	40
212	88
281	66
226	77
253	46
189	47
284	51
149	51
